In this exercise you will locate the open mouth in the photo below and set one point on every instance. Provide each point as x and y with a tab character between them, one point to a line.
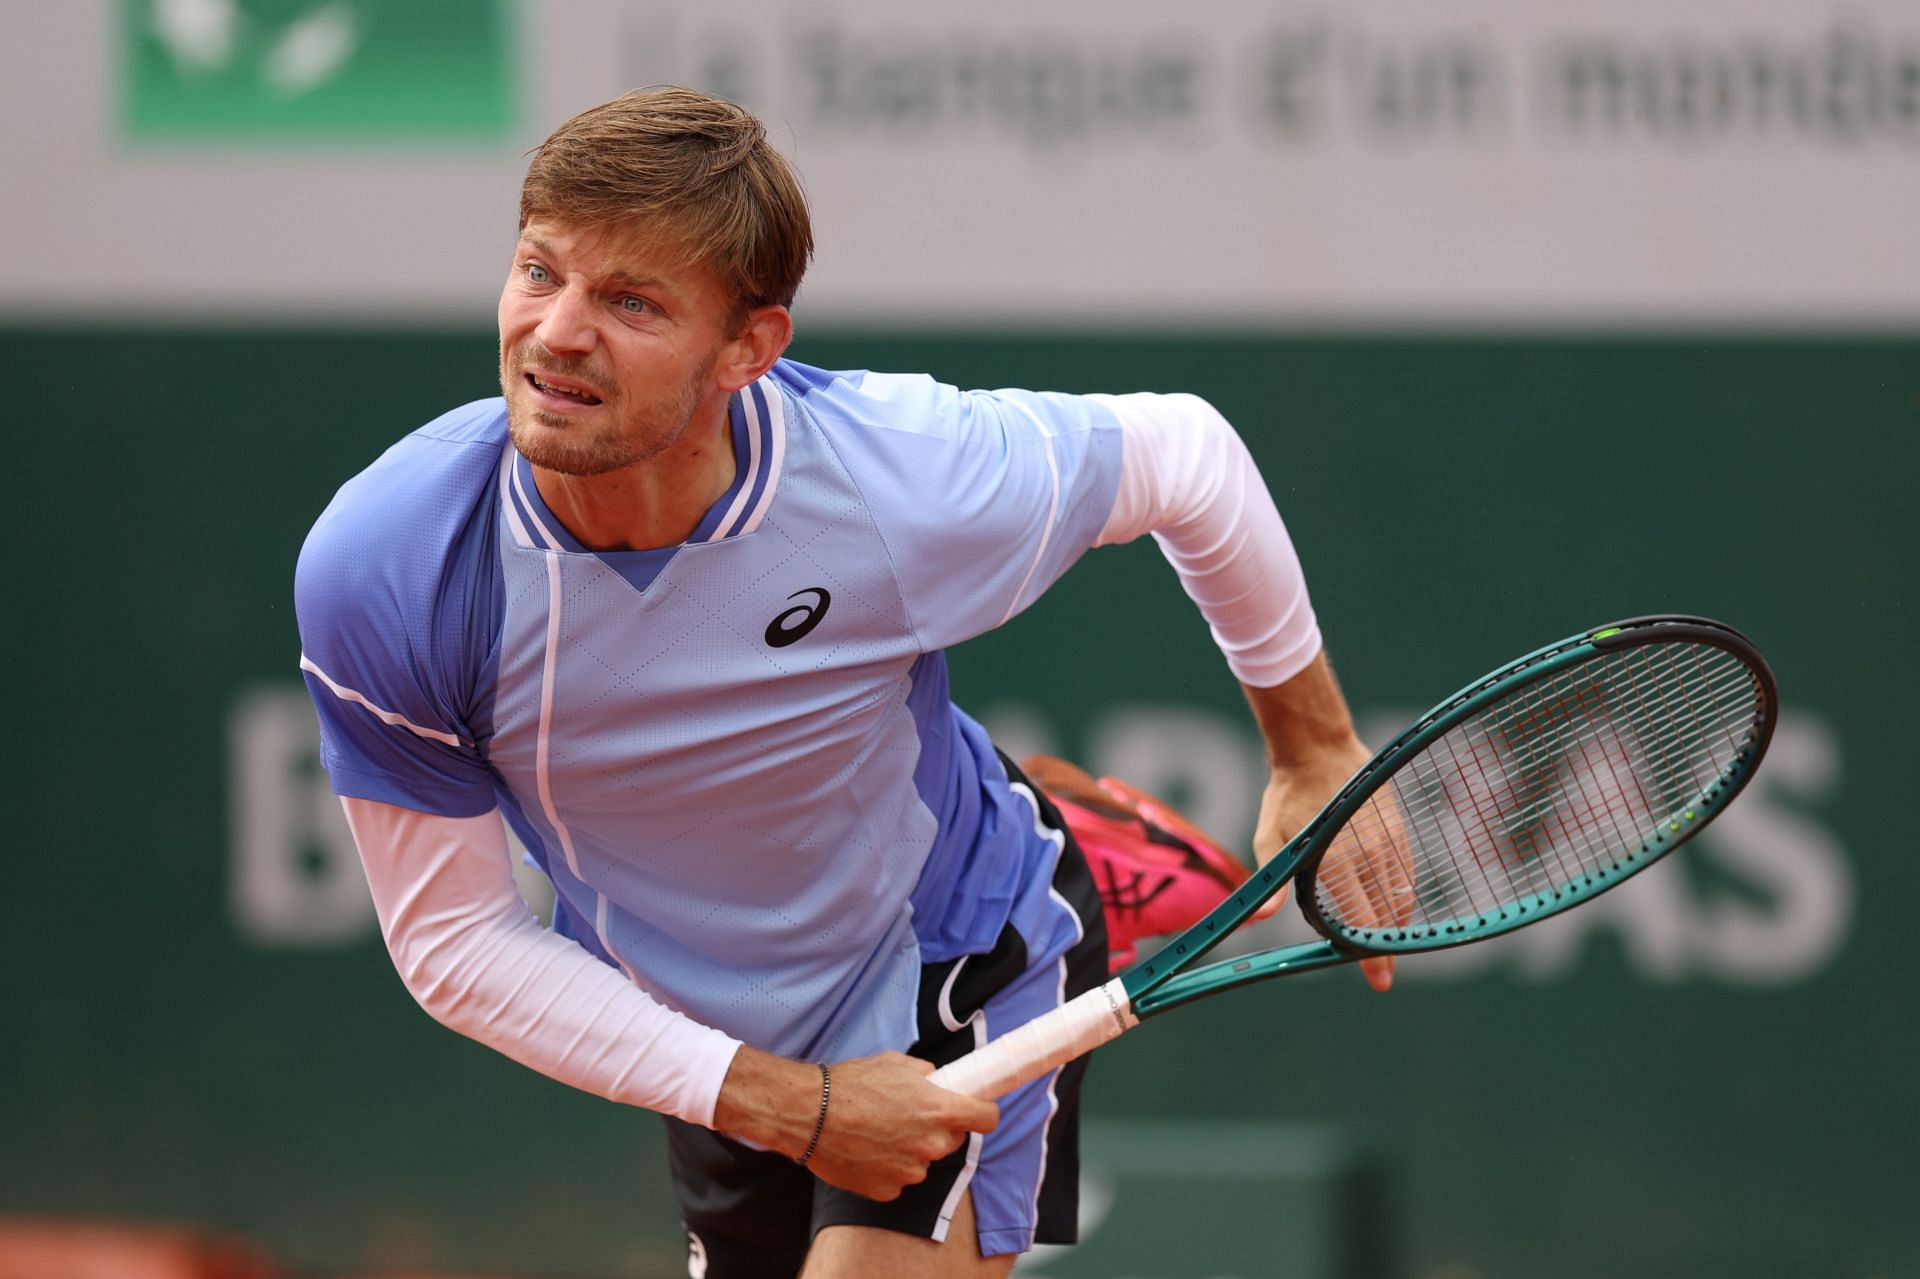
561	391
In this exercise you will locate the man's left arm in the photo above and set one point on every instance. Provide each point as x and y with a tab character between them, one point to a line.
1311	752
1187	478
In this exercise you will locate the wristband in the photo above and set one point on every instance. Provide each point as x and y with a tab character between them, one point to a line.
820	1124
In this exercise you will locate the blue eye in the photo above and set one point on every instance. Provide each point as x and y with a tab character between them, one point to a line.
633	305
537	274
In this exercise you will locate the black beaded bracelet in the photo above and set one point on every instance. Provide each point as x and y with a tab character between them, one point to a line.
820	1124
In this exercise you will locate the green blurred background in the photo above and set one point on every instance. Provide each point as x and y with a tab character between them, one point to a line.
1709	1072
174	1052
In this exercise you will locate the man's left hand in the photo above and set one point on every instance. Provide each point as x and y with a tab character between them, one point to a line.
1294	796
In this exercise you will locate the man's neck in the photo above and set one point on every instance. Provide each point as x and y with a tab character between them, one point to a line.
651	504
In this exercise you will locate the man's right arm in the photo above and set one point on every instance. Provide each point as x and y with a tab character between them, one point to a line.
474	958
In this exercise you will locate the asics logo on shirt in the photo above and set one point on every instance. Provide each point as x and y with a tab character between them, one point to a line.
798	622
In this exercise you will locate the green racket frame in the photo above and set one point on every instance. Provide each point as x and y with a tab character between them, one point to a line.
1167	979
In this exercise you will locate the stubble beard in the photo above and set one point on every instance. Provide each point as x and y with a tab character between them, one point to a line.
624	435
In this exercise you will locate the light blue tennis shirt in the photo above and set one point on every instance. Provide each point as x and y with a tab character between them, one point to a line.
737	758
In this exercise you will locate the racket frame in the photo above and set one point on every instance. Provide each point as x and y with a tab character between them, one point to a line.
1168	978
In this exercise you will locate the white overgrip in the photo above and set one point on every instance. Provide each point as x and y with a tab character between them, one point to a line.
1027	1052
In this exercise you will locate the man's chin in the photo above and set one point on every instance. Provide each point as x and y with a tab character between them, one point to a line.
556	442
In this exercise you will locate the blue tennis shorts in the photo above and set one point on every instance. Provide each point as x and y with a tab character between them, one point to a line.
751	1214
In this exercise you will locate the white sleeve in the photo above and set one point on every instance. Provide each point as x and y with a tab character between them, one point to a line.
475	958
1187	478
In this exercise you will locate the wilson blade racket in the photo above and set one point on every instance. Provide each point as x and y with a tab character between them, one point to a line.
1533	789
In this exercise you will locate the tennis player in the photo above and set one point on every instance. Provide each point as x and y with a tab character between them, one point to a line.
673	608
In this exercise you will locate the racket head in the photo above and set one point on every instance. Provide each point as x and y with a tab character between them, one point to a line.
1540	786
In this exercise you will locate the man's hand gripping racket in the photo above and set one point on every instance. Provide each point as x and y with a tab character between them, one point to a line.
1533	789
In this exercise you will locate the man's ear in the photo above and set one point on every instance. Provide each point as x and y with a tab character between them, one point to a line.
763	335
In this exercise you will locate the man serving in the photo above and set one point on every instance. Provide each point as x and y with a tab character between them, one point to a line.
674	608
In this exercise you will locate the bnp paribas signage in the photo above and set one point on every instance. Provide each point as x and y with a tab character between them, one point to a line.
316	69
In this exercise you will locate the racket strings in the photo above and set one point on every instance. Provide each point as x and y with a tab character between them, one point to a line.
1561	786
1581	797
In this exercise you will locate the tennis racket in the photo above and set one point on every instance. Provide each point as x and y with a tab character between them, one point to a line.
1530	791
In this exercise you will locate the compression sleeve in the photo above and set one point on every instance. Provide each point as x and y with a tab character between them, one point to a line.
1187	478
474	957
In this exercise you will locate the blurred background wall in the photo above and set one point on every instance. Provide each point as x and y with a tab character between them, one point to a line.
1536	314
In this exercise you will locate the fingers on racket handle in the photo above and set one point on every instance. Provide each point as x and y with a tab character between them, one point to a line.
1078	1026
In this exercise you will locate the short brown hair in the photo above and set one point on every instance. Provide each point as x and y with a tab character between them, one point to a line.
694	170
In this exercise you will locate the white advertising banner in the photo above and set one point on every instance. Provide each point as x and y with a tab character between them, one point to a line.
1116	164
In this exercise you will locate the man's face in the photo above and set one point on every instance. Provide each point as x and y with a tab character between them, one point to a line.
607	347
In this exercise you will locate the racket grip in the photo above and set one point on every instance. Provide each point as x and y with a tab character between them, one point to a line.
1027	1052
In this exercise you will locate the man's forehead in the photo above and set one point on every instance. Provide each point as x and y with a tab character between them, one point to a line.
632	250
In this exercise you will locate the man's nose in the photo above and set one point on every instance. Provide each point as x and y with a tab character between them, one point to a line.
567	327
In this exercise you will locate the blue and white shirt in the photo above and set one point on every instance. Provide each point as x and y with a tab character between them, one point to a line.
737	758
